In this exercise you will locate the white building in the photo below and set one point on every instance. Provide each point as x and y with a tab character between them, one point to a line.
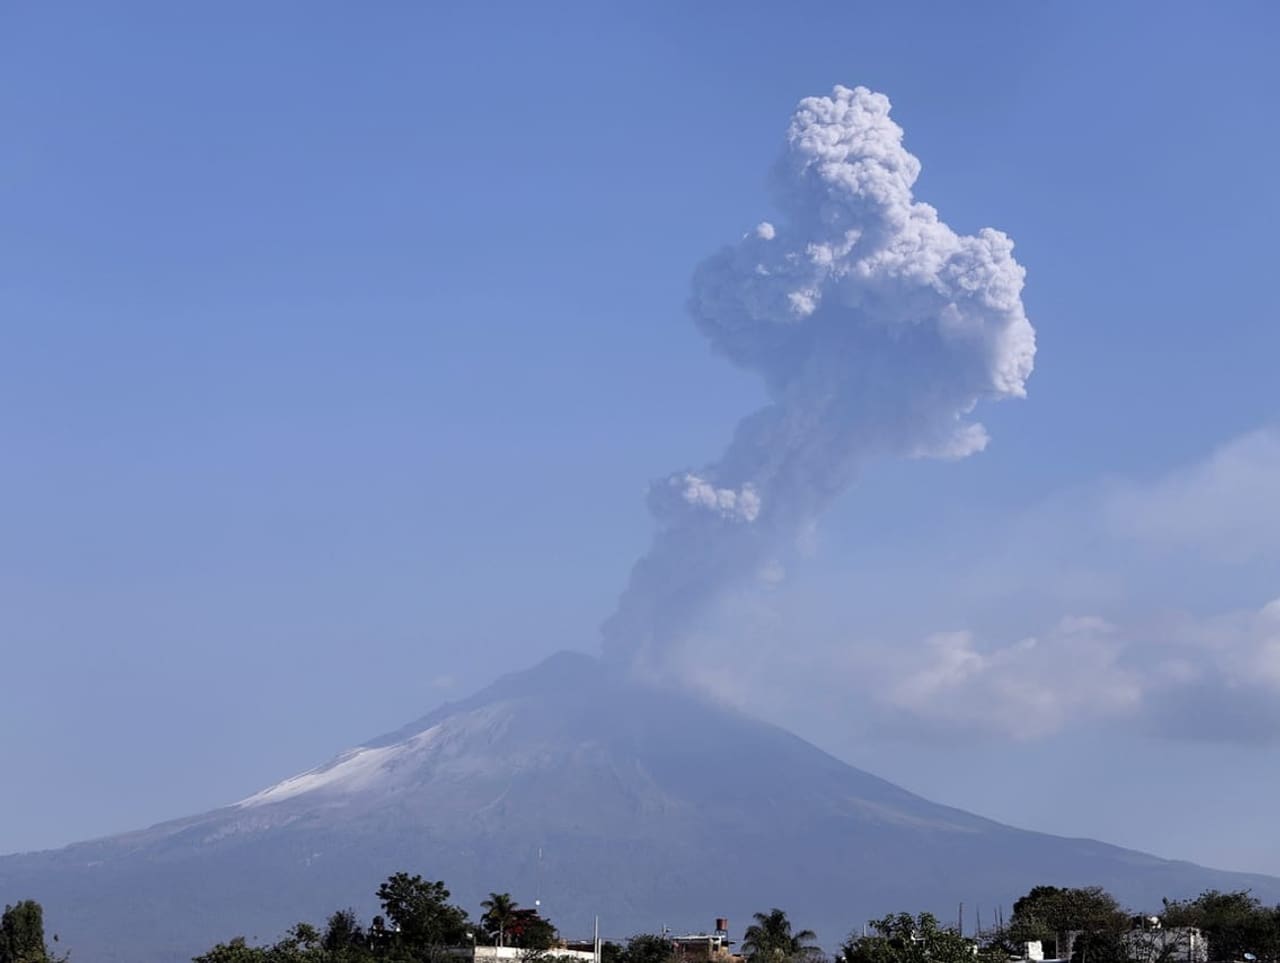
514	954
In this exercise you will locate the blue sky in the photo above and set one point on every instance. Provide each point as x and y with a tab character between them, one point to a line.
339	348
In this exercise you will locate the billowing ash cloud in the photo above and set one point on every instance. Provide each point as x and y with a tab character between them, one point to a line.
876	329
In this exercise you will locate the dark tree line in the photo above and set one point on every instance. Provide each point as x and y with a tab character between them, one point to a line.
1237	924
418	923
1084	925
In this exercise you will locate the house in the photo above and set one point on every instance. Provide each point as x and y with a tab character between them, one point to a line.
713	947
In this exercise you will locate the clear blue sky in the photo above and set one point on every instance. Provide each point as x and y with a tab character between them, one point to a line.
338	345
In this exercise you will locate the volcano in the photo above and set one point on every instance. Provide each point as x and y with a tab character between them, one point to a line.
586	790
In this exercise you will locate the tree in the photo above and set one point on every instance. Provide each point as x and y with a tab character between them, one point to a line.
770	940
344	939
1051	913
236	951
647	948
304	936
528	930
1234	923
22	934
1103	946
903	938
302	944
498	911
420	920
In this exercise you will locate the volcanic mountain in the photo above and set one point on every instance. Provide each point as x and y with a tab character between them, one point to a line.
592	792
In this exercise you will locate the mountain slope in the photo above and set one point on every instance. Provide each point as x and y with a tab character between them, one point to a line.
648	806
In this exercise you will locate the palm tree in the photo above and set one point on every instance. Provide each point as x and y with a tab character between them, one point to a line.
499	909
770	940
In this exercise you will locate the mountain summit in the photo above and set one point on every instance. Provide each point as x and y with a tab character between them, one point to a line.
586	790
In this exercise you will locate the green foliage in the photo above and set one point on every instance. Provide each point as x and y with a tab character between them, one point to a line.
302	944
770	940
1234	923
305	936
1049	911
22	934
499	910
235	951
420	920
903	938
344	939
529	931
647	948
1100	947
419	924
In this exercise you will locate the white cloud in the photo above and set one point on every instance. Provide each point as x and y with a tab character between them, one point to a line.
1228	504
1025	690
1180	644
1214	679
1210	679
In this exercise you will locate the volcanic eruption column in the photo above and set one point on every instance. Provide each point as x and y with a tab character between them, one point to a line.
876	329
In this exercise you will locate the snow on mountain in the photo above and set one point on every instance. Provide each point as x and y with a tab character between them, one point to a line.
588	790
357	770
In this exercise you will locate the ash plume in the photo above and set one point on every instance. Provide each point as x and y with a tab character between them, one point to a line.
876	329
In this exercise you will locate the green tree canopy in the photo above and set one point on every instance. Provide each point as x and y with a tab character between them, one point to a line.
499	909
344	939
1235	923
528	930
647	948
770	939
302	944
903	938
22	934
1100	947
611	952
1048	912
234	951
419	920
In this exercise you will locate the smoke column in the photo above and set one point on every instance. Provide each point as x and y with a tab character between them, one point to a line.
876	329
